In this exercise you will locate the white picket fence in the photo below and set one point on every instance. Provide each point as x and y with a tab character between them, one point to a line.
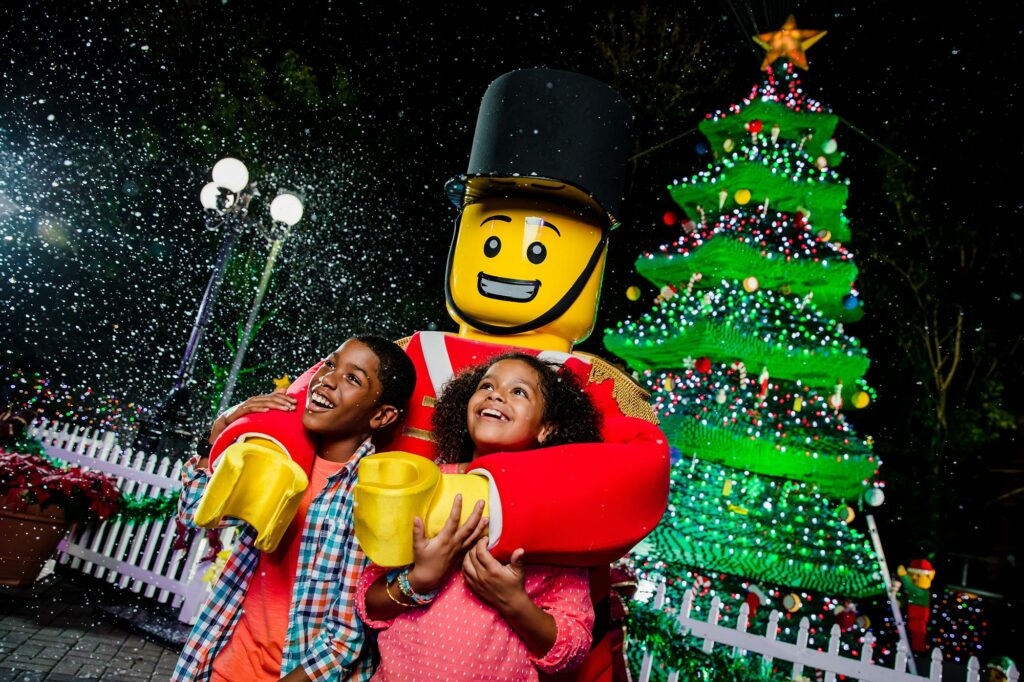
829	662
137	556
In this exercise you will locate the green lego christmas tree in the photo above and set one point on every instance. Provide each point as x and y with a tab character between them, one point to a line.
746	355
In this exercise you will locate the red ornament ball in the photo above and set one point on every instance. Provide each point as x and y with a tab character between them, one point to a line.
755	126
703	365
669	218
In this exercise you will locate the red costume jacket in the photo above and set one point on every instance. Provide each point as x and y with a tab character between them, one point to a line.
583	504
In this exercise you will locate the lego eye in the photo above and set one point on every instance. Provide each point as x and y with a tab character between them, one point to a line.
536	252
492	246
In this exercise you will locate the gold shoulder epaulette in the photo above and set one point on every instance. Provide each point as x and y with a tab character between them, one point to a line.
631	397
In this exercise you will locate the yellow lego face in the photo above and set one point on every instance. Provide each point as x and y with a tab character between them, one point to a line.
922	580
523	265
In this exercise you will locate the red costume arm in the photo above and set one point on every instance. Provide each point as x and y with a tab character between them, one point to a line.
284	427
583	504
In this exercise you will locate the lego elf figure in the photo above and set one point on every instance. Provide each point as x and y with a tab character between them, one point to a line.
917	582
538	202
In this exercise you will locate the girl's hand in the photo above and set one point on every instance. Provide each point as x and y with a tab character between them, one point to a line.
500	585
503	587
433	557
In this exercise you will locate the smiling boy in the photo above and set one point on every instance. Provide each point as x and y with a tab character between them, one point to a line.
289	614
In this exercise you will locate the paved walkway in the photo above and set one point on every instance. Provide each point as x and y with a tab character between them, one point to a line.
68	627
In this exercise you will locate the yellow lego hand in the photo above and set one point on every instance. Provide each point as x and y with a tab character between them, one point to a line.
393	488
255	480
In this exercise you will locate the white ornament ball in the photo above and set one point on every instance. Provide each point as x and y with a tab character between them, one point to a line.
874	497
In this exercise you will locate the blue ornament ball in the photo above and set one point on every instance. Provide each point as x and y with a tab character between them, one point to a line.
702	148
674	454
850	301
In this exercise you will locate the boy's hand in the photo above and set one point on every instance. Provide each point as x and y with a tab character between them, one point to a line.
262	403
435	556
500	585
278	400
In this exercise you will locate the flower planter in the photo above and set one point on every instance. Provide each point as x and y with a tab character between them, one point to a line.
27	539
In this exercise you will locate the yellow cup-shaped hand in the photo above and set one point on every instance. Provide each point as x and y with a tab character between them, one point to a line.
396	487
255	480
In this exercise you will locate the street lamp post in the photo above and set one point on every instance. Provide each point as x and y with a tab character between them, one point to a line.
286	211
225	201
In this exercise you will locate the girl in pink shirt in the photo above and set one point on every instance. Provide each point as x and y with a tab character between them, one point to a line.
457	613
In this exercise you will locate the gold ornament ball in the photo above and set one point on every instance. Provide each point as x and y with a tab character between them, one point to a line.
728	145
750	284
849	514
861	399
792	602
742	196
633	293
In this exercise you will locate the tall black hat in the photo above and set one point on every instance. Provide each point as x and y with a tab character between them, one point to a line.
558	126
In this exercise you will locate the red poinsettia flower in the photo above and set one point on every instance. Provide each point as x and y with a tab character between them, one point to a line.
31	479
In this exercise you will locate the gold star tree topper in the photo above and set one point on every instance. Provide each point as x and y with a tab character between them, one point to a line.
788	42
282	383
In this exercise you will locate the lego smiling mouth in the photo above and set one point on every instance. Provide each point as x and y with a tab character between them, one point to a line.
505	289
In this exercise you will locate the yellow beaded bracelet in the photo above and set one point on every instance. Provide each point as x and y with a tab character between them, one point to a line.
387	590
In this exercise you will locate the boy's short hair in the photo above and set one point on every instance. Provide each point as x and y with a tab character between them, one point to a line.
397	374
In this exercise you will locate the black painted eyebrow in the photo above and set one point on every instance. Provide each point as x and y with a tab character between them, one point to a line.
545	223
506	219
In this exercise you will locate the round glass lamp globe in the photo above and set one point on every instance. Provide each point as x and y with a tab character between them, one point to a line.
208	196
286	208
231	174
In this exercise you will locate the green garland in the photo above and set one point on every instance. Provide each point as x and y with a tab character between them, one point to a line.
658	633
139	508
26	445
783	532
762	328
785	430
726	256
816	191
793	125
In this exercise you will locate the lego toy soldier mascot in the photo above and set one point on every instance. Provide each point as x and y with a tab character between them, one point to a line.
538	203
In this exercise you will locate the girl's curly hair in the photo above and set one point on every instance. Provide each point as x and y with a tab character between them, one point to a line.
567	408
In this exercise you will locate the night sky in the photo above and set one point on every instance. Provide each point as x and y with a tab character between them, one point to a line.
930	88
108	129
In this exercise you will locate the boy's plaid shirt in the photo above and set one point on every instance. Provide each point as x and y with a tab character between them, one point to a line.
325	636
